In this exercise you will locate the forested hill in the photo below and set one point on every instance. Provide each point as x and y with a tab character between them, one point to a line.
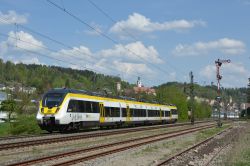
45	77
238	95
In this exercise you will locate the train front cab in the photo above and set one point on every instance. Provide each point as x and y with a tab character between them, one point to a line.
48	108
174	114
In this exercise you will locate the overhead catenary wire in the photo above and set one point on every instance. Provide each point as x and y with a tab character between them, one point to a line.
57	42
104	35
40	54
111	19
51	39
124	30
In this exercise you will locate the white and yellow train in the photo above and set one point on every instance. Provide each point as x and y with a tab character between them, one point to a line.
68	109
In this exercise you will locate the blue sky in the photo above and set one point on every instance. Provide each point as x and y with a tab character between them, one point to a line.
158	40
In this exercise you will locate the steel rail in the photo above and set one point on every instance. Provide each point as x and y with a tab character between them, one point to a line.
192	147
153	139
82	136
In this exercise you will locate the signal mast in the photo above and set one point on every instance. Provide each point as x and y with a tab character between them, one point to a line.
218	64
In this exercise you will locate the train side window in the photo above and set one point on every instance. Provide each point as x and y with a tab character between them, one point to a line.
112	112
81	106
73	106
144	113
117	111
124	112
137	112
174	111
95	107
88	107
132	110
150	113
167	113
107	111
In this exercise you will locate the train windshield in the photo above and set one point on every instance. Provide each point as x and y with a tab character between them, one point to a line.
52	99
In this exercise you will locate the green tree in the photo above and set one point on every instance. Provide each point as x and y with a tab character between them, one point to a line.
10	107
174	95
67	84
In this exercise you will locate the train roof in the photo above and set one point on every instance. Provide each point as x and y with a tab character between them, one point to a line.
97	94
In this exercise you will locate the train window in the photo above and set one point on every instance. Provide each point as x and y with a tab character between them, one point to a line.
141	113
157	113
132	112
167	113
124	112
150	113
144	113
52	99
153	113
117	111
174	111
112	111
107	111
88	107
95	107
73	106
82	106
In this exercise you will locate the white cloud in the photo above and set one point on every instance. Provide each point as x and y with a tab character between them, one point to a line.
135	52
118	60
139	23
224	45
12	17
233	74
80	53
208	71
23	41
33	60
20	42
3	48
132	68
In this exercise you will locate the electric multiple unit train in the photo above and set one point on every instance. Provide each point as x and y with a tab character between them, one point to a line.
68	109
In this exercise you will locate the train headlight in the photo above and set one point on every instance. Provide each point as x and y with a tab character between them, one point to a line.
42	110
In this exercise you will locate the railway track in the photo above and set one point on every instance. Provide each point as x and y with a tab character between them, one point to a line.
106	149
165	162
26	136
36	142
16	137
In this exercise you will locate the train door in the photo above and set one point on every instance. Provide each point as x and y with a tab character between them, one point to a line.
102	113
128	118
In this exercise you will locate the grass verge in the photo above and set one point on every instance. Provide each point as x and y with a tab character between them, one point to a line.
239	155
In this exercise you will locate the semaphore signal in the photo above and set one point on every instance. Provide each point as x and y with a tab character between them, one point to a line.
218	64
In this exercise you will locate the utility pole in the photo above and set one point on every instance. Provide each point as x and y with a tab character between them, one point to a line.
192	96
218	64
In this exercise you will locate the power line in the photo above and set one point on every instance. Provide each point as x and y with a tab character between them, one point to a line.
55	41
104	35
49	38
111	19
51	50
124	30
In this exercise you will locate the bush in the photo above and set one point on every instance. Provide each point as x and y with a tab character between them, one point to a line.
25	124
4	129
